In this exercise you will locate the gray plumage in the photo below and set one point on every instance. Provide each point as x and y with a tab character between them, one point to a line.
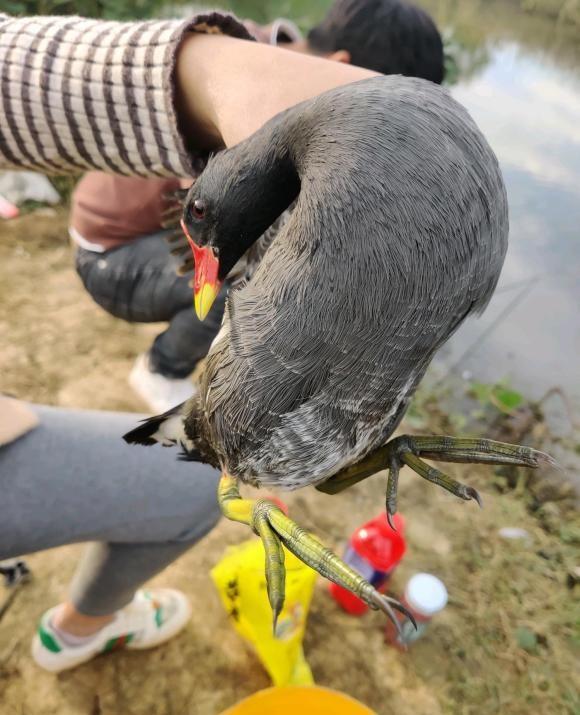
399	231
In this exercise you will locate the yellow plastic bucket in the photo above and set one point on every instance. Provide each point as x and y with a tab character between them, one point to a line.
290	700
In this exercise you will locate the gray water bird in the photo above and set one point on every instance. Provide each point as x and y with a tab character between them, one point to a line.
398	232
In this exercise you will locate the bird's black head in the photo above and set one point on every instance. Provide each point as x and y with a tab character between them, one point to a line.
240	194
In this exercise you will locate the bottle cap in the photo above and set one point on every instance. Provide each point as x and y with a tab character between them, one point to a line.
380	546
426	594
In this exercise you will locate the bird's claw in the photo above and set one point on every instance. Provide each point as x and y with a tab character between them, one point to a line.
408	450
274	553
276	530
411	450
387	604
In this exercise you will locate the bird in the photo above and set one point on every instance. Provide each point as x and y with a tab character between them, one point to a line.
397	232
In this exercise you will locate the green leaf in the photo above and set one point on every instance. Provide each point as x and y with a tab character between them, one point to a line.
506	399
527	639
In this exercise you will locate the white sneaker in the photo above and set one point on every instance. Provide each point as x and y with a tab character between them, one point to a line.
151	618
160	393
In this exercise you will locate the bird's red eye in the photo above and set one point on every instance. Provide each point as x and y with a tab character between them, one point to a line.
198	208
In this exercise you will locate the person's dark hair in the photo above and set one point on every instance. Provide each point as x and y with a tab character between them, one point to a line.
387	36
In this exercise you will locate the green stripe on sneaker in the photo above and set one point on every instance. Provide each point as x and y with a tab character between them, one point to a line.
158	608
118	642
48	640
109	645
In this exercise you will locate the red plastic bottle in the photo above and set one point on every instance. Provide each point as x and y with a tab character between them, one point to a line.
374	550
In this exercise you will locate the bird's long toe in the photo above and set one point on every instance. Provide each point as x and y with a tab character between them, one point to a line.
409	449
274	553
325	562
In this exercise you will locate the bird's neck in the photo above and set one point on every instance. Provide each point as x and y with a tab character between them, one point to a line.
275	182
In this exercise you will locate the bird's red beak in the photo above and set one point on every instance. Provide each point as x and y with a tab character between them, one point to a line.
206	285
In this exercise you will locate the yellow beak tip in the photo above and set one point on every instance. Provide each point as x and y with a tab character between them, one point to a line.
204	299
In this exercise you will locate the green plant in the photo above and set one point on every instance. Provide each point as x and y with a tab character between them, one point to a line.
498	395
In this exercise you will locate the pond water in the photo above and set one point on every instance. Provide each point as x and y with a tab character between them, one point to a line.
519	76
525	96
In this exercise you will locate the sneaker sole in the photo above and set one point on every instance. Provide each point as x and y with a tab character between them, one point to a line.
54	662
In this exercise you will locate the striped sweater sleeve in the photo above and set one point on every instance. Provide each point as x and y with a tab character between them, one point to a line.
79	94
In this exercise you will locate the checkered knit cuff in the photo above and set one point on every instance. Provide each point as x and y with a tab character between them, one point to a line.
79	94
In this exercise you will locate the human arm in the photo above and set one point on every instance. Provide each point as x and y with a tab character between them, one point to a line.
141	98
239	85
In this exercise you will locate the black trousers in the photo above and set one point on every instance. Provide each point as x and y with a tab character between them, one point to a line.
137	282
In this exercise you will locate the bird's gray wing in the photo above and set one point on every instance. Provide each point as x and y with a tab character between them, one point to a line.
287	400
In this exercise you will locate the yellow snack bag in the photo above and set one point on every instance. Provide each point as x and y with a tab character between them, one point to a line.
241	583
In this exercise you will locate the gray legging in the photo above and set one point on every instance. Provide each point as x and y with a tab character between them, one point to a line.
73	479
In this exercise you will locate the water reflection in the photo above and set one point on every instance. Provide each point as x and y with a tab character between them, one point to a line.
546	32
529	110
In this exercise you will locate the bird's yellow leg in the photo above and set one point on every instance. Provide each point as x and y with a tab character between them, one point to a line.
408	450
275	529
231	503
254	513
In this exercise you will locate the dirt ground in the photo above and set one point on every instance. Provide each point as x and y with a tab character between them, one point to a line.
507	642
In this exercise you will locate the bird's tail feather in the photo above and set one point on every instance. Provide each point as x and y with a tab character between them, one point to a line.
167	429
178	426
